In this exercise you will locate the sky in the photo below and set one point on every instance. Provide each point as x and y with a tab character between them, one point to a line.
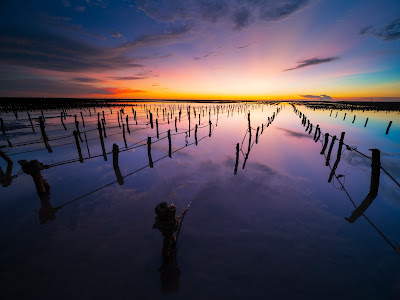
201	49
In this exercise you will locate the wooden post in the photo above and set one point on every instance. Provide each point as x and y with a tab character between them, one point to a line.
2	126
149	151
151	120
87	145
209	133
248	151
62	121
103	122
83	121
325	143
176	128
387	130
77	129
339	154
158	136
373	188
309	132
353	119
127	124
44	135
366	121
237	159
330	150
317	133
123	135
119	123
104	118
101	141
115	151
199	119
169	143
248	118
78	146
30	121
258	128
195	134
344	116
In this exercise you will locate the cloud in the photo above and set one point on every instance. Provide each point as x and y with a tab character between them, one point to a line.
116	34
127	78
245	46
50	52
311	62
87	80
320	97
240	13
50	86
388	33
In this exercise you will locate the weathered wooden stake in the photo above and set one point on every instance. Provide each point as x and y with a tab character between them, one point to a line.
30	121
87	145
127	124
78	146
237	159
344	116
149	151
366	121
83	121
115	152
103	122
151	120
123	135
387	130
339	154
101	140
353	119
158	136
169	143
195	134
328	158
104	118
258	128
209	133
44	135
2	126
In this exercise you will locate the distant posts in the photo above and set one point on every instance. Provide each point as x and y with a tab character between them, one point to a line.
237	159
149	152
115	151
78	146
169	143
387	130
44	135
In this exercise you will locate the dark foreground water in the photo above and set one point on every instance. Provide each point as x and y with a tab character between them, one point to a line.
274	230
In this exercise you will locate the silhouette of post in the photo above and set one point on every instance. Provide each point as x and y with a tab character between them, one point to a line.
83	121
258	128
119	123
30	121
151	120
339	154
78	146
373	189
127	124
209	133
326	141
44	135
101	141
149	152
237	159
328	158
77	129
366	121
87	145
353	119
195	134
158	136
62	121
123	135
115	151
169	144
387	130
176	128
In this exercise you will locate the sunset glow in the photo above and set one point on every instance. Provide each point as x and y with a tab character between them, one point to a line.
261	50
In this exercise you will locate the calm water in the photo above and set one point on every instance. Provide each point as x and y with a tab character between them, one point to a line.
275	230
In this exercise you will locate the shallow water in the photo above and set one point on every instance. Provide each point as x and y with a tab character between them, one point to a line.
274	229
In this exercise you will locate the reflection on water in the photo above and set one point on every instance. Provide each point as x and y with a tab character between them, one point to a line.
279	218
